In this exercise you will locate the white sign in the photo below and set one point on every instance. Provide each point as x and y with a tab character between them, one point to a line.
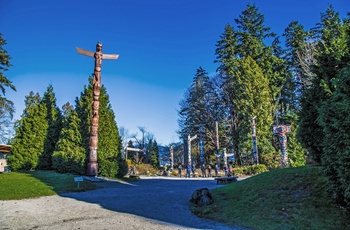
78	179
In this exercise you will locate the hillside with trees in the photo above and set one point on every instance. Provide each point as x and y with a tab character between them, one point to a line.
303	82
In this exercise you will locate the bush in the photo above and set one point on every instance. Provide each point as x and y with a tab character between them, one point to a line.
271	160
250	170
122	167
257	169
107	168
146	169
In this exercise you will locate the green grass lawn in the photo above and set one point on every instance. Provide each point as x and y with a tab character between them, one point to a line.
30	184
293	198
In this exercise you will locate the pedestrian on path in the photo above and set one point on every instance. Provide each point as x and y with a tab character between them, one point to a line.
180	169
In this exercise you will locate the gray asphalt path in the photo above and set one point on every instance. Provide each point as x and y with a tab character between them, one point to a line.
149	203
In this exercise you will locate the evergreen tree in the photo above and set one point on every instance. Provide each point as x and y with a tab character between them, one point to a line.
4	81
335	123
69	155
109	140
332	79
200	106
297	40
54	119
31	131
7	107
244	45
331	54
251	99
154	153
110	145
251	35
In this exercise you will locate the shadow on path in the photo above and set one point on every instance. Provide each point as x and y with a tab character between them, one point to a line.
161	199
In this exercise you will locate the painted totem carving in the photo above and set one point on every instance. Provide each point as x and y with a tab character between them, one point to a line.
92	167
281	131
171	157
255	146
201	145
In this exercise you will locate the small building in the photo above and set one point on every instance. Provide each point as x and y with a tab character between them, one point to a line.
4	152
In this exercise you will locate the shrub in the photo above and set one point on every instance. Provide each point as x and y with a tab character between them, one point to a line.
250	170
146	169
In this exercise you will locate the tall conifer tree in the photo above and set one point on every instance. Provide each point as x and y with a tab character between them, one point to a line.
31	131
109	146
247	41
54	119
69	155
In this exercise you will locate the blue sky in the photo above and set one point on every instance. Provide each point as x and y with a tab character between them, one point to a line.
161	44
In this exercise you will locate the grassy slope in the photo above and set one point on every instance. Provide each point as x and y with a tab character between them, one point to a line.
29	184
293	198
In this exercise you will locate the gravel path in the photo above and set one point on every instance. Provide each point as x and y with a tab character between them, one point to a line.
149	203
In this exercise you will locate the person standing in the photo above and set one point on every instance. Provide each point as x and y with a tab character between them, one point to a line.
209	171
225	169
203	170
230	171
180	170
188	171
216	170
193	169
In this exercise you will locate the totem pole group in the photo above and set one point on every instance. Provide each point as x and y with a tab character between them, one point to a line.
92	167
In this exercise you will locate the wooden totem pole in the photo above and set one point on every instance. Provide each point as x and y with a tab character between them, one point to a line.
92	167
281	131
255	146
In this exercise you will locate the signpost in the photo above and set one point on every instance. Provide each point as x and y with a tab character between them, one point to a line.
92	167
78	179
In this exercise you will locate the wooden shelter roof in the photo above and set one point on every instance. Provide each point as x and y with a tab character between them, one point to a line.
5	148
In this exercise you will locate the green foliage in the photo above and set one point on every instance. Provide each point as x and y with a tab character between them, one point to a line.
323	118
7	107
154	153
31	131
122	166
69	155
252	98
200	106
249	170
5	104
271	160
256	81
108	136
293	198
145	169
335	122
54	119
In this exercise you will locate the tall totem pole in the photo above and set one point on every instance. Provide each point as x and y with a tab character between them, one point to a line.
255	146
92	167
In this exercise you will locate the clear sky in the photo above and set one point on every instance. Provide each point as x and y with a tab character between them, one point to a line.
161	44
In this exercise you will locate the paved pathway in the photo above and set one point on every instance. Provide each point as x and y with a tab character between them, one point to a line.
149	203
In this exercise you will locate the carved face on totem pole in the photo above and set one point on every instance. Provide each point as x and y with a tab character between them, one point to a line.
99	47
